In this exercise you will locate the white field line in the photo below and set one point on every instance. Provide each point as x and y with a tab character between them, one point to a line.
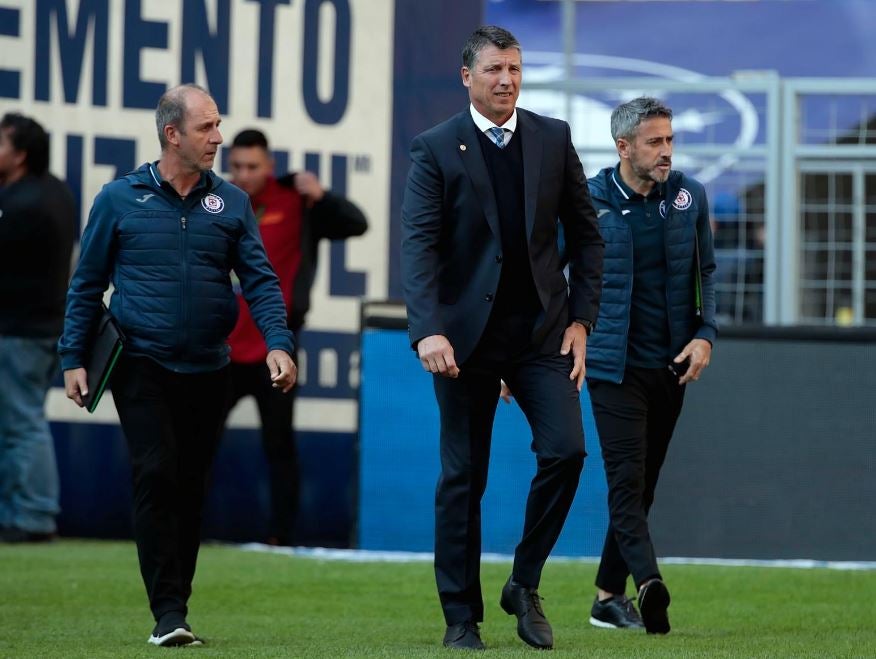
371	556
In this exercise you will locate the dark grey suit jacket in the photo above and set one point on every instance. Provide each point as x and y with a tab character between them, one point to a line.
451	251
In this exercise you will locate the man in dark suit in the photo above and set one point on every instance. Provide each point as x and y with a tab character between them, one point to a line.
487	300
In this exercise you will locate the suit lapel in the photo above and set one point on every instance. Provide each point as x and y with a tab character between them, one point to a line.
472	157
531	167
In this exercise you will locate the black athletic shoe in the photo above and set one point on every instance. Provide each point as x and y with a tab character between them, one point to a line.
464	636
173	630
617	612
653	601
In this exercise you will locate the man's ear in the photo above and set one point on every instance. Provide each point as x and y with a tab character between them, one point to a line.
466	76
623	147
171	134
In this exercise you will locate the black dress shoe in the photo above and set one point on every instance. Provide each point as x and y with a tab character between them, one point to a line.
653	601
525	603
464	636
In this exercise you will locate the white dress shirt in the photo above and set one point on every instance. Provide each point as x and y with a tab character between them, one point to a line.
485	124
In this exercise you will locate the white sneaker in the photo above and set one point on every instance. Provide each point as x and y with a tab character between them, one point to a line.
178	636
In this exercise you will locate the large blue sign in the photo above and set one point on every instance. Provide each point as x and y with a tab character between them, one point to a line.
399	463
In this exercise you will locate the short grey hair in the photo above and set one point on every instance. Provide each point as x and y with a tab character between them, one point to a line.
487	35
171	110
626	117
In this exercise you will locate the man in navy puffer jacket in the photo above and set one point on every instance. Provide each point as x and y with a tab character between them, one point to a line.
167	235
654	334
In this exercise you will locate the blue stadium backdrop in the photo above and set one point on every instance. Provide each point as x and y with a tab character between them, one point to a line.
334	83
341	87
399	462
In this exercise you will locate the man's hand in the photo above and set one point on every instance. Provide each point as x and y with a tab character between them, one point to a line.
308	187
76	385
283	370
575	339
700	353
436	356
505	392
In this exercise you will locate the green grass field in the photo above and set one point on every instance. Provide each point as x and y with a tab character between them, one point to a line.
85	599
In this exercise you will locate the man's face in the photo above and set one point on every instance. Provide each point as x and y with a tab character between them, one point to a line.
650	151
251	167
10	158
494	82
199	137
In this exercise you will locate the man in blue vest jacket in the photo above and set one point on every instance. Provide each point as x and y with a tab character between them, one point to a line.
167	235
654	334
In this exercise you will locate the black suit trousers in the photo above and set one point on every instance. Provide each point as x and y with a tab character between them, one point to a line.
635	421
467	405
172	422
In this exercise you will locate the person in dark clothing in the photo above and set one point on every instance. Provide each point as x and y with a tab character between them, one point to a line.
294	213
487	299
37	223
654	335
168	236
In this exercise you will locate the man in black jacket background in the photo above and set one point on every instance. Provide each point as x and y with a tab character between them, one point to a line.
37	223
294	213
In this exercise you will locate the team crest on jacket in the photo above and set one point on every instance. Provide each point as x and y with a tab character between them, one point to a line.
683	200
213	203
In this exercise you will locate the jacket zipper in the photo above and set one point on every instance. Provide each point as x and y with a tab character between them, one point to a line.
183	315
668	292
629	304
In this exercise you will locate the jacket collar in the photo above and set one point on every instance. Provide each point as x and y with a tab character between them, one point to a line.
602	186
469	151
532	149
148	175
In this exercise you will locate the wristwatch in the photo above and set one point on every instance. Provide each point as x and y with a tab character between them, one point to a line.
588	326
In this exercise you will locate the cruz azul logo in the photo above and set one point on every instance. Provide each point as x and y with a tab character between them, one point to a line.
683	200
213	203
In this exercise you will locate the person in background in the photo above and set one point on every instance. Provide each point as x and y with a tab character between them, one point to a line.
37	223
294	213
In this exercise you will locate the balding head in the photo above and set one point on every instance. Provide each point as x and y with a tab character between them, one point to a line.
172	106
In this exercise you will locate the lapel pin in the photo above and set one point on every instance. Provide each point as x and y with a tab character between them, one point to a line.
462	147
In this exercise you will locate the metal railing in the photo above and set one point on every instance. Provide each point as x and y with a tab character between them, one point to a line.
750	138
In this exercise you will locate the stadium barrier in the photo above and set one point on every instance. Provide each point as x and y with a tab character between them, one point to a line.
772	458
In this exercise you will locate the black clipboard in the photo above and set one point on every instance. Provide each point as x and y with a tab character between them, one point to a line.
105	347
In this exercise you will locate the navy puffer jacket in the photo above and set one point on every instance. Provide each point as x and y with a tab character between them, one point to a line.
169	261
686	221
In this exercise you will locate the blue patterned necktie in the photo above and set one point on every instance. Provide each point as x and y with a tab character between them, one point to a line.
498	135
